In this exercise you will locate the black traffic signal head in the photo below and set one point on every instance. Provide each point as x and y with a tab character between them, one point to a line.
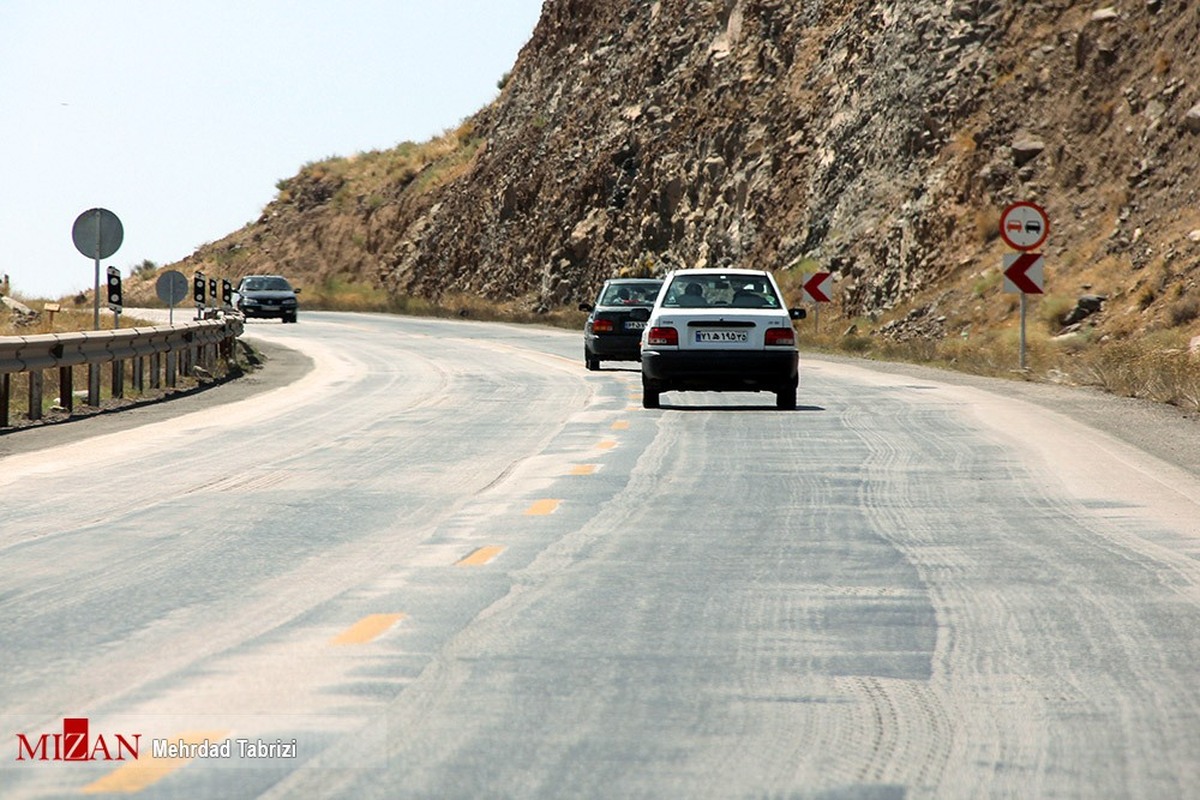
199	287
114	288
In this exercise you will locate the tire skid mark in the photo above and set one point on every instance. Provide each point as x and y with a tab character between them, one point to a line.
1024	620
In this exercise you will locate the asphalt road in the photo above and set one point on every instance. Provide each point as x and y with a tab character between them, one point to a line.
447	561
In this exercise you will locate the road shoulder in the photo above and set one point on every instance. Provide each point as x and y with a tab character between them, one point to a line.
1160	430
280	366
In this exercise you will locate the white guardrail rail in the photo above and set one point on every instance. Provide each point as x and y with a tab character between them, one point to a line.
157	355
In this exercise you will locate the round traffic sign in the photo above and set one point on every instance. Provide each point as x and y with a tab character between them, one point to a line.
97	233
171	287
1024	226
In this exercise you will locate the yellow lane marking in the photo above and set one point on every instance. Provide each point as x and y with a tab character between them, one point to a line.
481	556
620	425
607	444
148	770
583	469
542	507
366	629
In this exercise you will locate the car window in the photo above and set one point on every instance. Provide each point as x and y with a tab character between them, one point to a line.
629	294
705	291
276	285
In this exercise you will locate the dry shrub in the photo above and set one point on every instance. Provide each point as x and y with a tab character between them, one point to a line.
987	224
1134	369
1163	60
1184	311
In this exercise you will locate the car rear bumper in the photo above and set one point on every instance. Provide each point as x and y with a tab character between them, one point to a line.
721	370
615	347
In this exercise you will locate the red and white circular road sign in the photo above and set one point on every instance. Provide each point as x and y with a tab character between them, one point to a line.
1024	226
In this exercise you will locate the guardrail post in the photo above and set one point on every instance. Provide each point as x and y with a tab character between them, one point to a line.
35	394
155	370
139	378
172	358
94	385
66	388
5	394
118	378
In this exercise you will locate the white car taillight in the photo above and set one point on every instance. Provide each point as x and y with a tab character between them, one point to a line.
663	337
780	337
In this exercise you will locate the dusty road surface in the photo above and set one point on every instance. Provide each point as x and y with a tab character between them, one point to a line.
448	561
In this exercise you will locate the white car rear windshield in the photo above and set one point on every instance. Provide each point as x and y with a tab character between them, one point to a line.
708	291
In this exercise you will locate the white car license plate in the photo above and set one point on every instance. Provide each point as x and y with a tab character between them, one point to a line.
270	308
634	325
706	337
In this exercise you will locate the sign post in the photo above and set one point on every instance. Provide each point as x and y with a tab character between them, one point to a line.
816	288
1024	226
97	234
171	287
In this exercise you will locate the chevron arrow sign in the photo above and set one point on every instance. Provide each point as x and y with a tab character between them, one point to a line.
1024	273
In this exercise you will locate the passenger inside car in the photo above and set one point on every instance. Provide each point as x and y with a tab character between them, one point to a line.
693	296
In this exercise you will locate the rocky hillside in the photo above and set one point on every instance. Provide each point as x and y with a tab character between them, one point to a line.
877	139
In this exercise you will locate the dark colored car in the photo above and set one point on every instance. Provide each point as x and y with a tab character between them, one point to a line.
613	331
267	296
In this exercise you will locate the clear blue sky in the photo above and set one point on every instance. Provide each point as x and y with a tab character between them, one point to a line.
180	117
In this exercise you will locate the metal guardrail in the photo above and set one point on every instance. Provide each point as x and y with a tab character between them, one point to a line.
170	350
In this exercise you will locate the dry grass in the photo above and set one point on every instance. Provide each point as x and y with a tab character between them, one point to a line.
68	320
337	293
1165	375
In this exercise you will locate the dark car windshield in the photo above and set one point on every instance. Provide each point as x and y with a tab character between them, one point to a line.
702	291
272	284
630	294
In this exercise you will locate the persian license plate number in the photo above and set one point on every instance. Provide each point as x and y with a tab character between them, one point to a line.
711	337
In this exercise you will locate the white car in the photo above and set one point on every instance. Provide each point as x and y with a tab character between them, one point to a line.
722	330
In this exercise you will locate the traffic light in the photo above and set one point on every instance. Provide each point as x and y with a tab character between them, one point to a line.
212	290
226	293
199	285
114	289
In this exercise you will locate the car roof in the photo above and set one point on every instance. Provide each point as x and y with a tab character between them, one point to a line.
633	280
716	271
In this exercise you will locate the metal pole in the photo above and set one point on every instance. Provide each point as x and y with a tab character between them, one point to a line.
96	284
1023	302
